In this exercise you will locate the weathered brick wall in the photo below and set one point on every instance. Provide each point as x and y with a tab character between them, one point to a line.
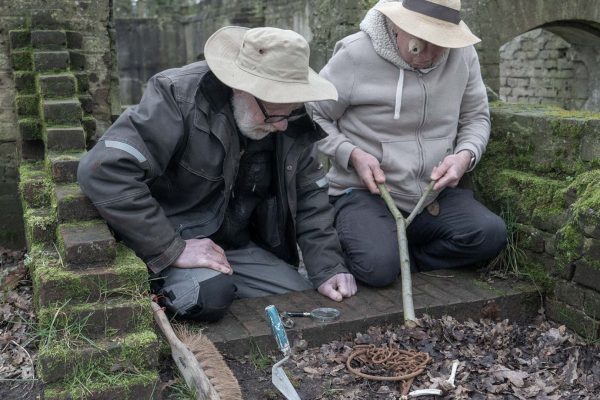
92	19
540	67
542	171
11	222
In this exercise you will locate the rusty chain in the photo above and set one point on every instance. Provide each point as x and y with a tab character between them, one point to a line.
387	363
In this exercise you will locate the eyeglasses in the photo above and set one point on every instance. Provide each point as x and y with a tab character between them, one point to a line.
271	119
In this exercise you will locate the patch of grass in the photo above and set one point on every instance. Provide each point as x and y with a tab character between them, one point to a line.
181	391
260	360
510	258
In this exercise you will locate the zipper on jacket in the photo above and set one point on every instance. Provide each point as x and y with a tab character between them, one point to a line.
421	156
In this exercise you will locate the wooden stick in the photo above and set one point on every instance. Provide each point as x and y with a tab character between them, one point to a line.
419	207
401	225
408	307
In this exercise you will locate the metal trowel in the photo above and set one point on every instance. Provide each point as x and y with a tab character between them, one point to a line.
280	379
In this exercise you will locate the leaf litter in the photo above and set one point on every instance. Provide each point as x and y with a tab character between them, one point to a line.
497	360
17	317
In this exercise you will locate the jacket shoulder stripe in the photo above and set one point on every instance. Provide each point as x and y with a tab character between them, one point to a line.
126	148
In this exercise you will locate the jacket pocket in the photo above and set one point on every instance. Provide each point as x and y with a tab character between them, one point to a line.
204	154
266	224
401	162
434	152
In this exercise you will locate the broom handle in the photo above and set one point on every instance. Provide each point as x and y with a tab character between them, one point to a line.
186	362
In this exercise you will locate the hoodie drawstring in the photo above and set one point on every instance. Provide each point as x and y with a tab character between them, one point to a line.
399	89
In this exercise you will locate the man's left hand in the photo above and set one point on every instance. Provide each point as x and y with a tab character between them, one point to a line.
451	170
338	286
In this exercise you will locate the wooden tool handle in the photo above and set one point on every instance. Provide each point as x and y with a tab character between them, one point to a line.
186	362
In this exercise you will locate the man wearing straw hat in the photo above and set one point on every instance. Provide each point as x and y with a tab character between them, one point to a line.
412	108
213	179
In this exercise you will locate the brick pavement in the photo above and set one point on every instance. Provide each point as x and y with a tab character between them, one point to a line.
461	295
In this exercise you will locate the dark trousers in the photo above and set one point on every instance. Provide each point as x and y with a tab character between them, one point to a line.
463	233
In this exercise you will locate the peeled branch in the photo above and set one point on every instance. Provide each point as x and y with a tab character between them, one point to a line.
408	307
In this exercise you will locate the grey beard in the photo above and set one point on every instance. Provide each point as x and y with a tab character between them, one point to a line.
247	127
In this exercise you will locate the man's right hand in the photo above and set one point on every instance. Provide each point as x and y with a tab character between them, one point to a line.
203	253
368	169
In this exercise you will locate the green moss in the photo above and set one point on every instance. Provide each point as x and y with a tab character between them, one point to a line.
87	383
587	188
22	60
25	82
40	225
30	129
28	105
19	38
569	245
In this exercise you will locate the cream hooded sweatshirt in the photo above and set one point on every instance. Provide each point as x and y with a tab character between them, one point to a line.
408	119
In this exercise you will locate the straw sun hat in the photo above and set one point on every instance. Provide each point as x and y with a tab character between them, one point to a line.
436	21
268	63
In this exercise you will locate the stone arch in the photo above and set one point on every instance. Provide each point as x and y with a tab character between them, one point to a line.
498	21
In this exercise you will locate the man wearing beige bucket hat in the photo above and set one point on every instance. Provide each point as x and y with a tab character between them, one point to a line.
214	180
412	108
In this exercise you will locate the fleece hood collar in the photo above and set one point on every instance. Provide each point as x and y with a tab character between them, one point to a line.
379	30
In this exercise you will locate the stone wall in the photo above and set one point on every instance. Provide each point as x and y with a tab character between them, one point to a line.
540	67
11	223
96	55
541	170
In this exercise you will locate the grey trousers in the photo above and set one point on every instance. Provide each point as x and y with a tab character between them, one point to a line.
463	233
205	294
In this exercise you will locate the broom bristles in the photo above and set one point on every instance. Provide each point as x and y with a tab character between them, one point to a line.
212	362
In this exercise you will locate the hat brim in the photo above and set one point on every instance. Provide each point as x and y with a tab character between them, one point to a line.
433	30
221	51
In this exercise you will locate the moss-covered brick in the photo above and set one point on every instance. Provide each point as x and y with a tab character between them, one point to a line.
34	185
65	139
63	165
99	385
83	82
586	188
30	129
72	204
569	246
53	283
32	150
136	351
62	112
110	318
28	105
86	244
21	60
25	82
89	126
587	273
19	38
575	319
57	85
48	61
48	39
40	226
532	199
569	293
541	139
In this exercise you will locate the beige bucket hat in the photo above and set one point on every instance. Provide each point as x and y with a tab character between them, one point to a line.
268	63
436	21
